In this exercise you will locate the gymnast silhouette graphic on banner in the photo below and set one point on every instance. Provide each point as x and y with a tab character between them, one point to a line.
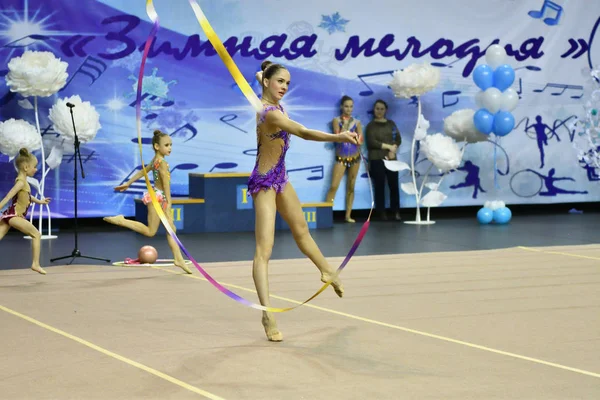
549	180
471	179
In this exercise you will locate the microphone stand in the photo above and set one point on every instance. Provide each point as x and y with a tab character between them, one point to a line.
77	156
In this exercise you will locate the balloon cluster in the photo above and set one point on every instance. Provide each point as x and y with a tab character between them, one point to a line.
496	99
495	211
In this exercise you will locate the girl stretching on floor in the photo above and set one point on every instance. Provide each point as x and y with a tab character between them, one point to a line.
271	191
161	143
14	216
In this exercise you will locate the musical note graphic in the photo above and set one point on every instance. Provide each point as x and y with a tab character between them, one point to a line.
369	92
227	118
183	167
35	37
223	165
564	88
529	68
315	169
520	89
550	5
184	130
450	93
69	158
91	67
144	97
49	131
166	104
443	65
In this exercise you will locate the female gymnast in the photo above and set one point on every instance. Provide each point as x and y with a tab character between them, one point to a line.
271	191
347	155
14	216
162	144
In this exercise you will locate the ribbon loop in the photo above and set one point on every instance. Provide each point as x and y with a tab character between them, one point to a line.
256	103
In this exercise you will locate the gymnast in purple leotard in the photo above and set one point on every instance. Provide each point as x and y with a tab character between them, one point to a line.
347	155
272	192
269	170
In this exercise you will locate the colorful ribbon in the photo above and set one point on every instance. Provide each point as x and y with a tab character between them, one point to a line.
226	58
257	104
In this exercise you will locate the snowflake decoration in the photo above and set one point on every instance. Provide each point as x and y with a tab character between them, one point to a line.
169	119
325	61
172	117
333	23
587	129
153	85
155	88
131	62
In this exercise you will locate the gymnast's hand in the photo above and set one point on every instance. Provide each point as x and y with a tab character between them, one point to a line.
122	188
349	137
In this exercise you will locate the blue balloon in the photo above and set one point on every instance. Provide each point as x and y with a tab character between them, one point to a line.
485	215
504	77
483	76
502	215
504	122
484	121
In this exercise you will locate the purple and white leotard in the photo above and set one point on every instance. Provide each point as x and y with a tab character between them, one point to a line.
269	170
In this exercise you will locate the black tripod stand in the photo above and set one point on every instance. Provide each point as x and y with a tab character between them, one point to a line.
77	156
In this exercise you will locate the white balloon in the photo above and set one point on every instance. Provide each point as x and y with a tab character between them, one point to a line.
495	56
479	99
492	99
510	99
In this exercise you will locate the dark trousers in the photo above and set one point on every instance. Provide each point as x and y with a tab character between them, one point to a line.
379	173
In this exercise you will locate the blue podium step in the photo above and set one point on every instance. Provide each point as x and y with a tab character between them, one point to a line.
188	214
218	202
227	206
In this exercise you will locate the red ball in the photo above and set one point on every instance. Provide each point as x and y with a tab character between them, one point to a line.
147	255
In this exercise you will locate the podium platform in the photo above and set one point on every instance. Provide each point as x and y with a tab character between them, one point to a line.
218	202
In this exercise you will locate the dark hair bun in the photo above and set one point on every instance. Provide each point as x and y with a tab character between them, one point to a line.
265	64
157	132
23	152
345	98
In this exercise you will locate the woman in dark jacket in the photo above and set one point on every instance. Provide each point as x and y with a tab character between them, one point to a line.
383	140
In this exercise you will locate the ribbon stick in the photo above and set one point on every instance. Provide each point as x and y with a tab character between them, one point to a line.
226	58
255	102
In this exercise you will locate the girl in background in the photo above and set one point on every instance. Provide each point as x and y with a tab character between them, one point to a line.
347	155
162	145
15	215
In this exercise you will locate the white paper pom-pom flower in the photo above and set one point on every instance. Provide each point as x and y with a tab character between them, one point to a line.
433	199
16	134
421	129
460	126
415	80
442	151
87	119
36	73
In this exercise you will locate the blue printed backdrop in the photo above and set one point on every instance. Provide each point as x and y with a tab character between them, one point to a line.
331	48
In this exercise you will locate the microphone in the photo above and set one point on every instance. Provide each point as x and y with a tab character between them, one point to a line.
71	105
